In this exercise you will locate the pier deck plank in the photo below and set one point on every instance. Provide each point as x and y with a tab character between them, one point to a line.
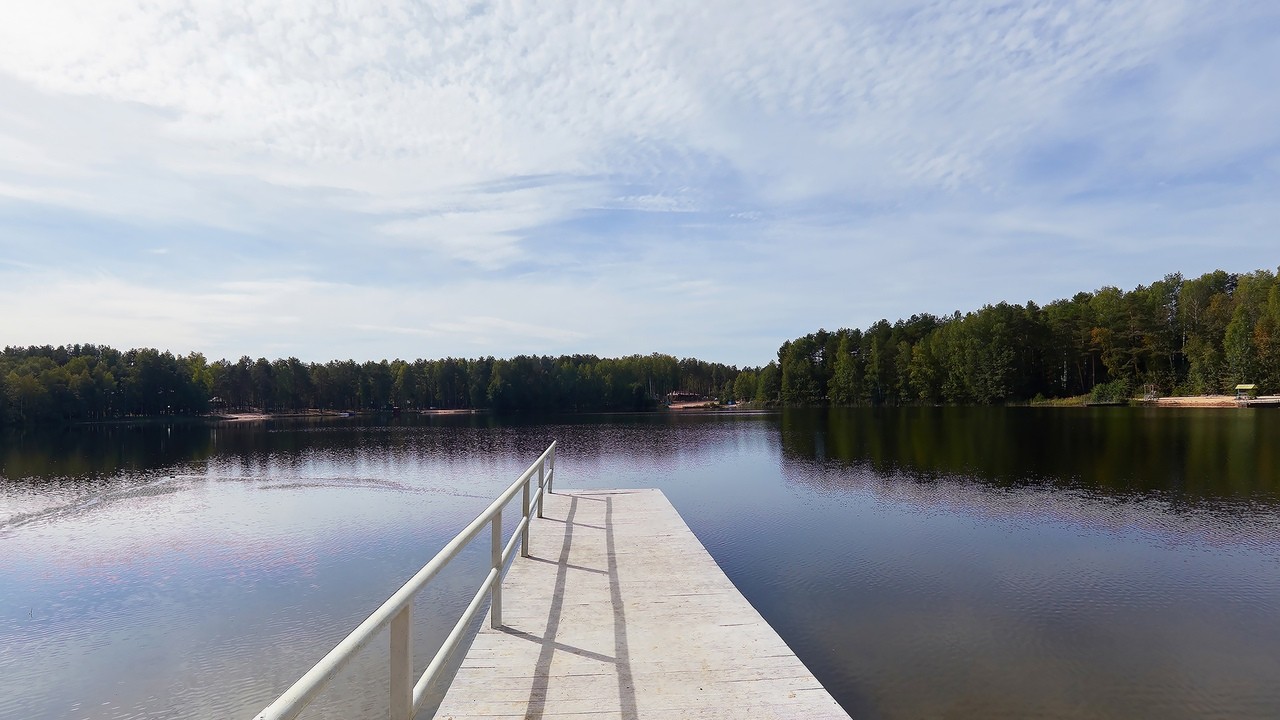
621	613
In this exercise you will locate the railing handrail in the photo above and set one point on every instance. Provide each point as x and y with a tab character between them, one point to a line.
407	695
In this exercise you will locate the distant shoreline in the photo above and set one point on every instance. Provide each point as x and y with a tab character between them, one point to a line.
1200	401
686	408
259	416
1167	401
1217	401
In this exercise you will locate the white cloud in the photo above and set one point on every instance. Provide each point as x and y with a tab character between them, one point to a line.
633	170
401	97
482	226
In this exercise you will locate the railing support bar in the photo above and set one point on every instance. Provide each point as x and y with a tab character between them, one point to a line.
451	643
495	555
510	547
402	664
396	614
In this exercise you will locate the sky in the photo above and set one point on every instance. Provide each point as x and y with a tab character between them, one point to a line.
279	178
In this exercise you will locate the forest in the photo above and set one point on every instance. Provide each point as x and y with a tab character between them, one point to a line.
1174	336
89	382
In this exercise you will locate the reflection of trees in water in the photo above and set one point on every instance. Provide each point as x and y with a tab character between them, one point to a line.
95	451
310	447
104	450
1181	456
1236	523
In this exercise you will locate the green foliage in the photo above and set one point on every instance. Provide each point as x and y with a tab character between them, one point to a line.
744	386
1202	335
801	363
1117	390
86	382
768	384
50	385
845	387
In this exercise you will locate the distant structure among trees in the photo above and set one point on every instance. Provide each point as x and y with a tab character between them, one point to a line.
684	396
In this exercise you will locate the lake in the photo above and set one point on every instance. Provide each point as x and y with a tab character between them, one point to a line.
923	562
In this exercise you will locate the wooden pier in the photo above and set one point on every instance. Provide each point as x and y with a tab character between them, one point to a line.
619	612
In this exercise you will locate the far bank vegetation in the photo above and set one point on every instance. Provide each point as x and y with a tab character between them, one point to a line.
1174	336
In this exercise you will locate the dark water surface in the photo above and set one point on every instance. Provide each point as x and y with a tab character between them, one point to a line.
923	562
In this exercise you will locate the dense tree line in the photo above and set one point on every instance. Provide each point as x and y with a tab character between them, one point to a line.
88	382
1174	336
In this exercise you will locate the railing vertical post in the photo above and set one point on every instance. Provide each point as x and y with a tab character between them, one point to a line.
495	553
402	664
542	499
551	477
524	515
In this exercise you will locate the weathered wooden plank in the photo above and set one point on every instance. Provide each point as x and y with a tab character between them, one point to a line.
621	613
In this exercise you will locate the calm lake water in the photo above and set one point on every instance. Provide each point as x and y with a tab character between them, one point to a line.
923	562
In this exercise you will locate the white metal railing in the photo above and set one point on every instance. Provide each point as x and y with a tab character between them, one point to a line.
397	611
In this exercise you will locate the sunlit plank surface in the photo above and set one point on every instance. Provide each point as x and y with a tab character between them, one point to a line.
621	613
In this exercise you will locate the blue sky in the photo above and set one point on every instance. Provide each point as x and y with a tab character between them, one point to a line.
401	179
